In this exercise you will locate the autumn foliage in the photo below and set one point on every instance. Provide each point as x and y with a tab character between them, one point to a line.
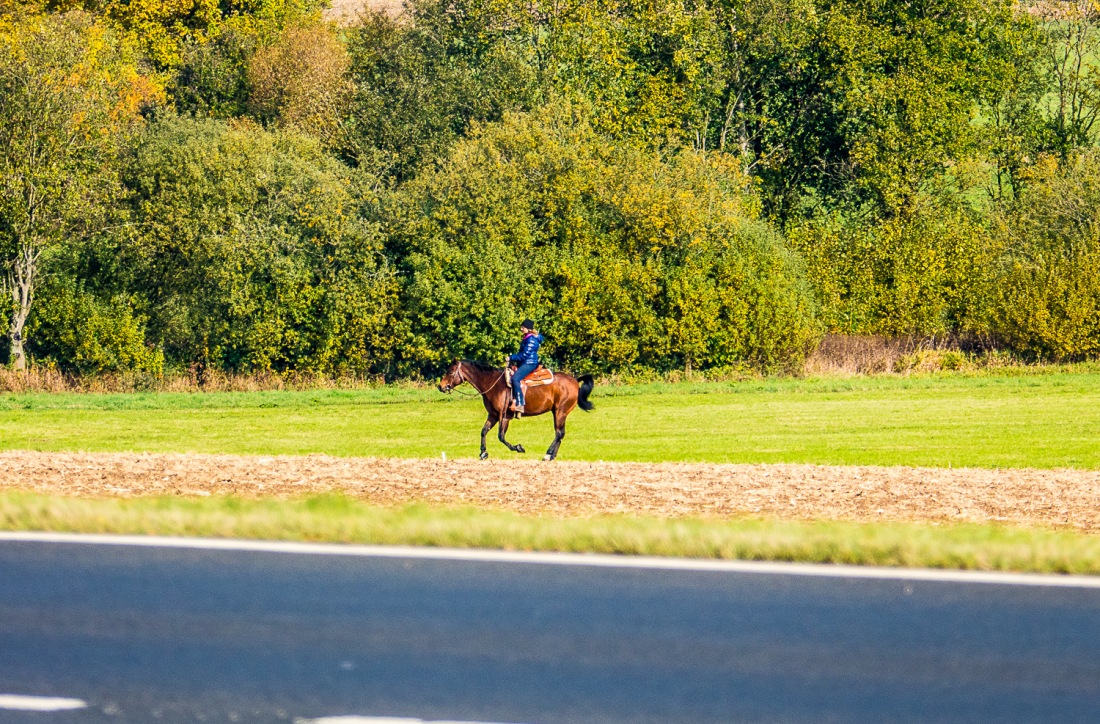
242	186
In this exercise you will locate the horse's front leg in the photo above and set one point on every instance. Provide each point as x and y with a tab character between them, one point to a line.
503	430
485	431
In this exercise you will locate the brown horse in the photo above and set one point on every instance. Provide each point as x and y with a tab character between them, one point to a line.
559	397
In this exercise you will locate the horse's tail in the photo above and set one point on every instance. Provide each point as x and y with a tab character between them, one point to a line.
587	383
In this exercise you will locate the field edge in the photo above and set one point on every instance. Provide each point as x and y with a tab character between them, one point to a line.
339	519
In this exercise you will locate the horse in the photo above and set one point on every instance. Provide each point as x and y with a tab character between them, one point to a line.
559	397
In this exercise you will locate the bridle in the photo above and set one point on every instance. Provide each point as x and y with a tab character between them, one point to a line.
463	378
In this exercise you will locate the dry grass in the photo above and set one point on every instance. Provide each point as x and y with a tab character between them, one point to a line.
845	355
861	355
196	379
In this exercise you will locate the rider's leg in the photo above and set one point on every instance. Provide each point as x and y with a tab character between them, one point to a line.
517	391
517	378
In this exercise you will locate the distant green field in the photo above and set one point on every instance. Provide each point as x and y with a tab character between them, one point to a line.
989	420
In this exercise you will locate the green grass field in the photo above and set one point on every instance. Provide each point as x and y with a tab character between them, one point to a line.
1043	420
1014	418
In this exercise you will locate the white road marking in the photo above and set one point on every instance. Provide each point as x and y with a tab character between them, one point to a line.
565	559
377	720
39	703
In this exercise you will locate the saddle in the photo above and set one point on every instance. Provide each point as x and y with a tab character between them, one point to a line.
541	376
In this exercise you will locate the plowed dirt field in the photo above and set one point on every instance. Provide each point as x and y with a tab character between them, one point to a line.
1051	498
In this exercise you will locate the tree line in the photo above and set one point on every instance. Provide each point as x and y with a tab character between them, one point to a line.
662	184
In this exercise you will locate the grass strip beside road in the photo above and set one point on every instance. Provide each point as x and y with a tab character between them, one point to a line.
343	520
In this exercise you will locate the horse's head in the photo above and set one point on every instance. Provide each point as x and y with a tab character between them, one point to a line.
452	378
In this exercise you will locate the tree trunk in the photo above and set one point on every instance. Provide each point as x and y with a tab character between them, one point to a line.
18	359
20	284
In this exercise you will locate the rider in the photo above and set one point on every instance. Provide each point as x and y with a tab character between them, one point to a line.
527	358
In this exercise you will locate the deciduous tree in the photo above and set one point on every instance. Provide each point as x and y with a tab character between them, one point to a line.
300	81
70	96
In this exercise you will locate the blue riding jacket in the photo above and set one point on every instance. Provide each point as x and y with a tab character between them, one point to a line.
528	350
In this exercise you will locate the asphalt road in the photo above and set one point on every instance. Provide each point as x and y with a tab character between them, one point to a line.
164	634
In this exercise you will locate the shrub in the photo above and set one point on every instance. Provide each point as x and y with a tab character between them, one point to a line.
923	273
251	252
86	334
1047	295
627	259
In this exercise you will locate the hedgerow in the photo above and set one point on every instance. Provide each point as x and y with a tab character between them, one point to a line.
662	185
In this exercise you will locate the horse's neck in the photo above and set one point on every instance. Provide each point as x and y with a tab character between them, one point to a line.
480	378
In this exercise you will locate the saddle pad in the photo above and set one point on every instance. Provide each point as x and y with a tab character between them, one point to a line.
540	376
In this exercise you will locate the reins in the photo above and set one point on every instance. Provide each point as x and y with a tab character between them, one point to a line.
471	382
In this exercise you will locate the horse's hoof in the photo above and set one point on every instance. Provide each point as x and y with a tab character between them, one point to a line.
484	456
547	457
519	449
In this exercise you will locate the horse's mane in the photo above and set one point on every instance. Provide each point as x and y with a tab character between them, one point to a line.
480	366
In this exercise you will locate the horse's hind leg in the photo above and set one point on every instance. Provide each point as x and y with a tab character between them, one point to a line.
559	433
502	431
485	431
